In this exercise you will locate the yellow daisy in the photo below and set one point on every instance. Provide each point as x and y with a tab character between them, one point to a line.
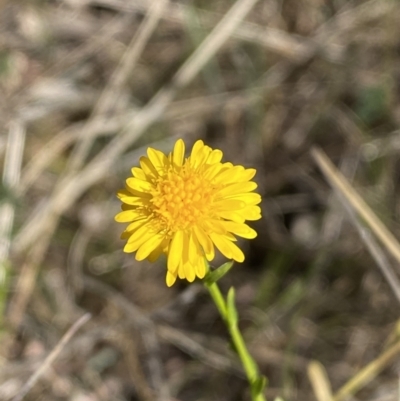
185	207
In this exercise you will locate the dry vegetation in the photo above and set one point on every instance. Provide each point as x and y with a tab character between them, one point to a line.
87	85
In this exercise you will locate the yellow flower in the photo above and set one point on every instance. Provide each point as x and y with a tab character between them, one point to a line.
185	207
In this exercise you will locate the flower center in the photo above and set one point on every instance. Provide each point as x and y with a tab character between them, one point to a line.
182	198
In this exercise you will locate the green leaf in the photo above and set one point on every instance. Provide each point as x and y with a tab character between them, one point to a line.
373	103
7	195
215	275
231	308
5	274
258	386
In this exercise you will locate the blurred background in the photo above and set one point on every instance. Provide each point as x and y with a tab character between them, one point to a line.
88	85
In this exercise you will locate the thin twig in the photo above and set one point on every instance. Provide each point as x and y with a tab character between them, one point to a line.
51	357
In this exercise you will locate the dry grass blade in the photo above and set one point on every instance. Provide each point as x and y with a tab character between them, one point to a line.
352	202
319	381
54	148
275	40
146	327
213	42
337	180
190	346
367	374
27	277
148	330
11	177
370	243
373	247
51	357
294	47
92	46
117	80
128	346
153	111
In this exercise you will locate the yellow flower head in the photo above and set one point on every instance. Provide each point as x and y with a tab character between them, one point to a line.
185	207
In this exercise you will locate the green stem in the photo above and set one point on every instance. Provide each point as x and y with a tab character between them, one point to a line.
218	299
247	360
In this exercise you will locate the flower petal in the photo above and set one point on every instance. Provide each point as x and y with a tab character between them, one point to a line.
205	242
251	213
149	246
251	198
126	197
178	154
230	175
181	271
195	251
132	246
138	173
237	188
234	216
227	248
248	174
155	254
214	157
199	154
136	224
230	204
190	272
201	268
139	185
197	147
170	279
140	235
128	215
147	167
157	158
175	251
241	230
212	170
